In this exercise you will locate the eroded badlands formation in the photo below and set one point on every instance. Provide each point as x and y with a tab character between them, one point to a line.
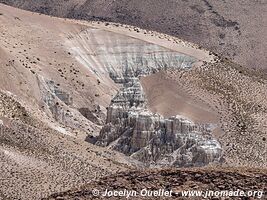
131	127
66	84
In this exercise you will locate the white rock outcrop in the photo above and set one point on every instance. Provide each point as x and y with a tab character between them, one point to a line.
130	127
135	131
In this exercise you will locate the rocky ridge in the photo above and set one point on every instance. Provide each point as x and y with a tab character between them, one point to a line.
176	181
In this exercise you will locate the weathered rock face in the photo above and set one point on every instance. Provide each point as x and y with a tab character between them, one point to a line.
135	131
130	127
152	139
92	115
122	57
52	96
58	104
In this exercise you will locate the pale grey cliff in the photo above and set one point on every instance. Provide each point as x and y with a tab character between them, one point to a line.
130	127
135	131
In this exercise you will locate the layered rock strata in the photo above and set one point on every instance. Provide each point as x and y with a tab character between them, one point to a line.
135	131
130	127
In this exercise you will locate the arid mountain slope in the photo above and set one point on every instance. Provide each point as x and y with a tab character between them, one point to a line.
68	83
55	87
44	91
234	29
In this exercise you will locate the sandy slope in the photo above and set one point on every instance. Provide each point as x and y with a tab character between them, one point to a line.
39	154
235	29
42	134
166	98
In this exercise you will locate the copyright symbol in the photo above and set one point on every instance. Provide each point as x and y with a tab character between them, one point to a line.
95	192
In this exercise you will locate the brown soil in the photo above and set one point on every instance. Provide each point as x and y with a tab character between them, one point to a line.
176	180
167	98
239	96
